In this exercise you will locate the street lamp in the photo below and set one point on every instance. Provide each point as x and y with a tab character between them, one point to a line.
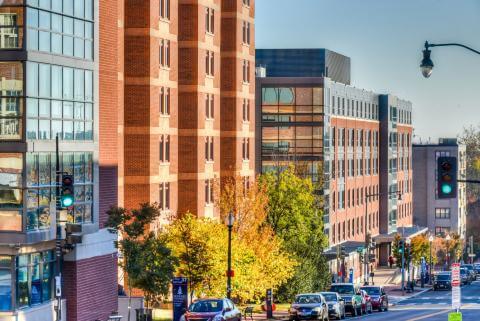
230	221
427	64
430	239
448	238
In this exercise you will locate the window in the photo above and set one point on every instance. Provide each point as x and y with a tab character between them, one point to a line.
11	33
164	196
209	63
209	106
5	283
246	71
246	33
442	213
246	148
164	54
246	3
441	231
209	20
165	9
246	110
165	101
49	87
209	149
164	148
209	199
11	101
34	278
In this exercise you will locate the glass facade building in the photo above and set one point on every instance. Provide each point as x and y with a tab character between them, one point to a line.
47	85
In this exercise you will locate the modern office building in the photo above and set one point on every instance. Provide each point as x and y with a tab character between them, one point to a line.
304	63
188	93
52	57
355	141
441	216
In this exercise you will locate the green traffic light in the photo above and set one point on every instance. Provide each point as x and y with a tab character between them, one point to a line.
67	200
446	189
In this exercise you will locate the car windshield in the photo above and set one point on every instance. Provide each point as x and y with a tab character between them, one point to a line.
207	306
342	289
468	267
443	277
330	296
372	291
307	299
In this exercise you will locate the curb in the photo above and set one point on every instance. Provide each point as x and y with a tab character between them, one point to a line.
412	296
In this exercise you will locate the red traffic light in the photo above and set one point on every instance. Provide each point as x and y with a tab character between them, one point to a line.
446	166
67	180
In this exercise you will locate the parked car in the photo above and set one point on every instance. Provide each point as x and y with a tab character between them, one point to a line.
476	268
336	305
366	302
471	271
352	296
465	276
379	297
309	306
442	280
215	309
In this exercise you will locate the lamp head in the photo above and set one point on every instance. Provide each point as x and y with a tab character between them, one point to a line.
427	64
230	219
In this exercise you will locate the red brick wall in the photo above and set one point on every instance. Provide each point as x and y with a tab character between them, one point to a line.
90	287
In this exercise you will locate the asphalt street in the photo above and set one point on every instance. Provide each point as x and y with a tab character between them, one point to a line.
432	306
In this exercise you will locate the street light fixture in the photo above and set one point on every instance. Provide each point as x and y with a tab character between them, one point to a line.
230	221
427	64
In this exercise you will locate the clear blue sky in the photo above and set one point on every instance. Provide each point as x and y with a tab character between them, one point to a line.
384	39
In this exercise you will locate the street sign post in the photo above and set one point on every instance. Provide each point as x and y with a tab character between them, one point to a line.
456	301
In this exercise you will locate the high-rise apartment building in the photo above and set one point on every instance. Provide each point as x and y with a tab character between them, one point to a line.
349	139
441	216
188	98
60	75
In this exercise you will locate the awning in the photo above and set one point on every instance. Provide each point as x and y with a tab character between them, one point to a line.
404	231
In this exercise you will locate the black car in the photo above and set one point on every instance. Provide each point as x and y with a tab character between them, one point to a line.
442	281
471	271
476	268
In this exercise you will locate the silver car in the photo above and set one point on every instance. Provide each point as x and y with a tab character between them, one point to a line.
309	306
336	305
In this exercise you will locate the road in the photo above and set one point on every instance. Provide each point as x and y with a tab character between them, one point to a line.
432	306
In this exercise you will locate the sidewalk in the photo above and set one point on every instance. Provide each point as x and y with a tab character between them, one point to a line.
277	315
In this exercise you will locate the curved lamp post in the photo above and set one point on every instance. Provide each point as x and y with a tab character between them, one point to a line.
230	221
427	64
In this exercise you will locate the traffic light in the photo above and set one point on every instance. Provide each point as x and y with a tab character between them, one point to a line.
343	251
400	246
73	233
447	177
66	194
361	259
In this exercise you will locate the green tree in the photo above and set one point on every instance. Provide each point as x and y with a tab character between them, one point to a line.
471	139
147	260
294	216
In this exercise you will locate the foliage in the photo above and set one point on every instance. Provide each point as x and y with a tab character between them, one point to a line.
420	247
471	138
201	246
147	260
294	216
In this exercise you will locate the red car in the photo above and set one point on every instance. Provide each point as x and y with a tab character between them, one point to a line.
366	302
212	310
378	297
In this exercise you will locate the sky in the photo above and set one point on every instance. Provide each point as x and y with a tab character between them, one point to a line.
385	39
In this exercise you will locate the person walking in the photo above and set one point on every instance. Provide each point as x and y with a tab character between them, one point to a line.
390	261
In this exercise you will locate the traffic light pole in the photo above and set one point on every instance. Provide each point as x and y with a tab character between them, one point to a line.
403	268
58	238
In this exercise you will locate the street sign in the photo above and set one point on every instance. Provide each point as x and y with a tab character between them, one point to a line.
455	316
456	301
180	297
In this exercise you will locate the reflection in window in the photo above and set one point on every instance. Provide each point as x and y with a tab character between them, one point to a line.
11	166
5	283
11	27
11	86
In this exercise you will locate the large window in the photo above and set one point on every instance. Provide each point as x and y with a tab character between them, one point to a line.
59	101
11	26
442	213
34	278
41	187
61	28
11	166
11	102
5	283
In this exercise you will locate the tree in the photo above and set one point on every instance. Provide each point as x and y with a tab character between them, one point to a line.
294	216
147	261
471	139
203	242
420	248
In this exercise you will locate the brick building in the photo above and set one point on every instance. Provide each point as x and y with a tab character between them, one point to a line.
357	142
61	73
187	110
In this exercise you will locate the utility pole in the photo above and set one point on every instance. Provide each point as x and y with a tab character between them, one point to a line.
58	238
402	246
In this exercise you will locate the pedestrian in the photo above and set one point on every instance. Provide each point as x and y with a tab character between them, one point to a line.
390	261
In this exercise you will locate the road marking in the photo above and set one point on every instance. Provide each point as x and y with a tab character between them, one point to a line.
428	315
